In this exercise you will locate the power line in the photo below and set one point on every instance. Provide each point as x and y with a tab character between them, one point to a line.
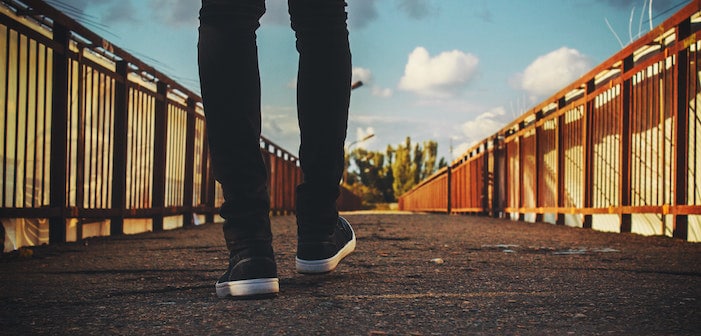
80	16
668	10
69	8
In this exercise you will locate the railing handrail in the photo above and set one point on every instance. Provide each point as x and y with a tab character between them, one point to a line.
626	51
124	139
627	148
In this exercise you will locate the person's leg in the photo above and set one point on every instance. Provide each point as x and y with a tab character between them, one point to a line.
230	84
323	96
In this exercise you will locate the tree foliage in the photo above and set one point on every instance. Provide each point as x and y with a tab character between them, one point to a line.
381	177
412	164
373	176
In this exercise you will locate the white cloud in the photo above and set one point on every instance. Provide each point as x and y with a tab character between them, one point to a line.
109	11
416	9
292	84
120	12
439	76
375	119
460	149
363	133
478	129
361	74
361	13
553	71
484	125
388	129
382	92
175	13
365	75
279	124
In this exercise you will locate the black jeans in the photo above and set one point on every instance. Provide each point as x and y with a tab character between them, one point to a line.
230	84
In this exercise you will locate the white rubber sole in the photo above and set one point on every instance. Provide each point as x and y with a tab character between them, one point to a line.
325	265
242	288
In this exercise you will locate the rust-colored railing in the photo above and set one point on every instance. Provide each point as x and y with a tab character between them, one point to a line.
97	142
618	150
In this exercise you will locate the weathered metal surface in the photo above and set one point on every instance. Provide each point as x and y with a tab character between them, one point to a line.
622	140
93	136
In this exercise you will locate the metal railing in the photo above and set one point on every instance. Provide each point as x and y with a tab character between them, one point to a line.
619	149
93	137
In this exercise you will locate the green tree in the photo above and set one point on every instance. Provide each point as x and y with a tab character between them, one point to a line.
381	177
375	174
442	163
428	162
412	164
403	169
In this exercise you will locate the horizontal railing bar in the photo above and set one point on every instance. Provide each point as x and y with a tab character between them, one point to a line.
621	145
123	134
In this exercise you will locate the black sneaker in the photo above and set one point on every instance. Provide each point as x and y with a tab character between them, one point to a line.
252	272
321	255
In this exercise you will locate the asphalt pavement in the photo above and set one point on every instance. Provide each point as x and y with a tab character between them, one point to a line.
411	274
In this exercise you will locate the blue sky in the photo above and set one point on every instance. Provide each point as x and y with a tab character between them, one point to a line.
453	71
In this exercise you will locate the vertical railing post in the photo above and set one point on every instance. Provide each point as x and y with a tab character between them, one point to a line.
287	184
211	194
449	196
624	193
80	138
290	186
485	180
189	178
494	207
500	163
538	166
298	181
560	220
588	153
119	161
207	192
160	149
279	183
521	189
681	221
59	134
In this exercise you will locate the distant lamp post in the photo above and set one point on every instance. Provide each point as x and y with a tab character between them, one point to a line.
367	137
347	155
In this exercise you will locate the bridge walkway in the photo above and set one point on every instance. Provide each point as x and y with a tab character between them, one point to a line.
412	274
